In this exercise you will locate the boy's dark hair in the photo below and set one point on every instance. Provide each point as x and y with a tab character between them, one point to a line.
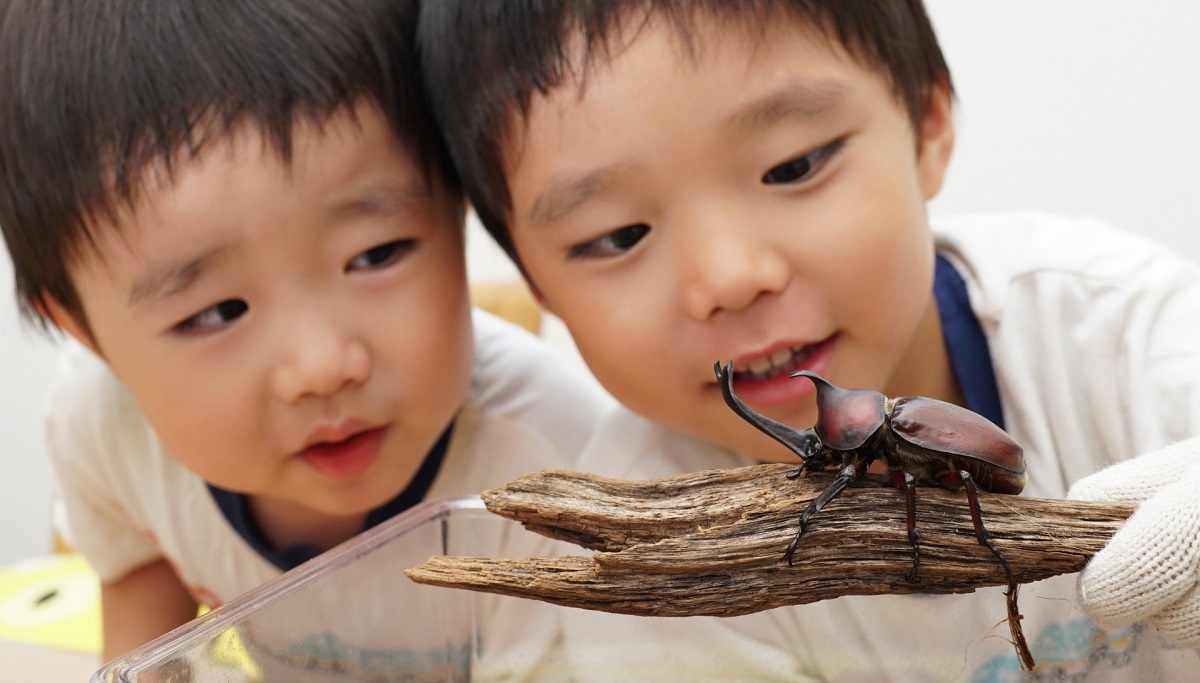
485	59
97	93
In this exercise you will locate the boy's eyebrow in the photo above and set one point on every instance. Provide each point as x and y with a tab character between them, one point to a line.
171	278
569	191
387	196
801	100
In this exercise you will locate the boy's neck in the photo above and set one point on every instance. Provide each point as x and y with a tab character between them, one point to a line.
285	524
925	369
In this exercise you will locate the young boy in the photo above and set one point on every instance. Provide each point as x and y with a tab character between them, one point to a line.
241	213
686	183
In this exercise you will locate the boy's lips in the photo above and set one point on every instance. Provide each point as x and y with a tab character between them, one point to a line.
766	380
348	457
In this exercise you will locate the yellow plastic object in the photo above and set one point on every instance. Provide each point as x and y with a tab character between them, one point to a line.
230	650
53	601
511	301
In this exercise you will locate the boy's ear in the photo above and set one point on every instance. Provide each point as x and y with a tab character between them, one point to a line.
935	140
68	322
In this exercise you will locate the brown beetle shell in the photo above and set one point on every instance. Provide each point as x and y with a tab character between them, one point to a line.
987	452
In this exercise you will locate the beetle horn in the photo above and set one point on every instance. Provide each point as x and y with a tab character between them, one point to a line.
794	439
829	395
818	380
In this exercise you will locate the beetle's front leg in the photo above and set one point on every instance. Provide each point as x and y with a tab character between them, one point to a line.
844	478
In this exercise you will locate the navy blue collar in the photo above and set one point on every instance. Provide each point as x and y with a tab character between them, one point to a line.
966	344
236	509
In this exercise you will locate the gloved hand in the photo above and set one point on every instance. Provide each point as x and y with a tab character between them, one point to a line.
1150	569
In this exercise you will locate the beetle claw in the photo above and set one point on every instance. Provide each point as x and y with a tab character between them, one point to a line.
791	550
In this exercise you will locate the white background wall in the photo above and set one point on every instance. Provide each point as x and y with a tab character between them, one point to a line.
1074	106
1077	106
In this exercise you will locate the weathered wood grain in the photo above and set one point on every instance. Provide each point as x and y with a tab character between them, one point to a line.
711	543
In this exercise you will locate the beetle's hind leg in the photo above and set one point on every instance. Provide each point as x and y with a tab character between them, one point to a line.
985	539
844	478
981	532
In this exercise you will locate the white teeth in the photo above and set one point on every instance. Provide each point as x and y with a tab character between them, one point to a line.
761	365
781	356
778	363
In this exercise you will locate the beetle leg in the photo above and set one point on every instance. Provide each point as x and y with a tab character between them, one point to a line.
817	460
981	532
985	539
907	482
844	478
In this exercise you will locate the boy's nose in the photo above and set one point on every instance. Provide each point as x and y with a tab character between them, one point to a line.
317	361
730	274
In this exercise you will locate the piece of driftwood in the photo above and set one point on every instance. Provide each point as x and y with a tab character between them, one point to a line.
711	543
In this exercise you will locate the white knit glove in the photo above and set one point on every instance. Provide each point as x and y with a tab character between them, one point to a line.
1150	569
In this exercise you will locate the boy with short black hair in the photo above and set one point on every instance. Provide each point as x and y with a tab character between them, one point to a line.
242	213
691	182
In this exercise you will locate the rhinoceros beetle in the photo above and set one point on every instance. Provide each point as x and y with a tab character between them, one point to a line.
921	441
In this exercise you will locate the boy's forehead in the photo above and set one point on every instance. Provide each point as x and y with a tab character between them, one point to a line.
694	37
133	217
149	167
146	162
806	87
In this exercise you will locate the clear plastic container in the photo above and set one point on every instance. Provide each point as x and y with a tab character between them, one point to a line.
352	615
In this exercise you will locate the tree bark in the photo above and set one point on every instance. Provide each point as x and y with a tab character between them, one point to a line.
711	543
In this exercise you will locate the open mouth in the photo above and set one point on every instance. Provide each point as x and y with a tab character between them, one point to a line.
783	362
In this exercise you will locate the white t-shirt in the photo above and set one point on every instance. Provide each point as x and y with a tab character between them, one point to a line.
1095	340
123	501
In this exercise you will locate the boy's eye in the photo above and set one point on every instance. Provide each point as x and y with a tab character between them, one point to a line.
382	255
616	242
802	168
213	317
